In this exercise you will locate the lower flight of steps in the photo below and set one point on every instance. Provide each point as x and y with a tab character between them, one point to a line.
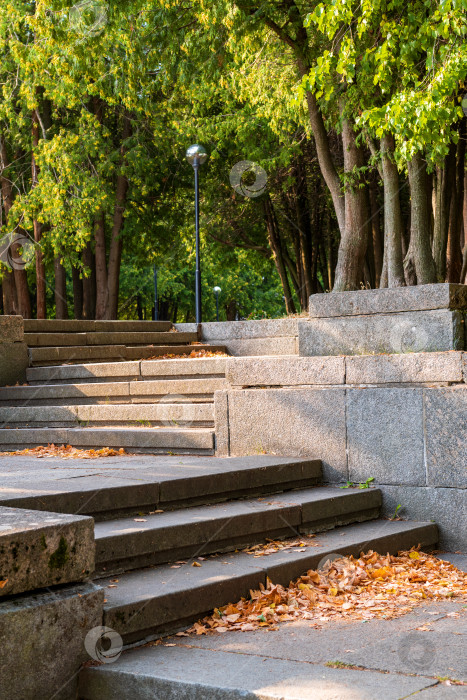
212	508
155	406
283	499
53	342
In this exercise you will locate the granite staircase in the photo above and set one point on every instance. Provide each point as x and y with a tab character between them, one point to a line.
138	404
163	570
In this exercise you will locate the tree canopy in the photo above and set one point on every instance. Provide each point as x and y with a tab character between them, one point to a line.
349	111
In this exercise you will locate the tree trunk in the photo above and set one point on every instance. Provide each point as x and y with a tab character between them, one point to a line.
275	244
376	232
392	214
77	293
420	222
40	267
454	246
89	284
10	301
115	252
352	249
326	164
61	308
101	268
21	298
445	179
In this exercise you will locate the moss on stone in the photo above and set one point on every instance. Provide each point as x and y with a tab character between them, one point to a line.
60	557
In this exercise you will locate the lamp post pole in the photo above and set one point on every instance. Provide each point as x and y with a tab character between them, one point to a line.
196	155
199	312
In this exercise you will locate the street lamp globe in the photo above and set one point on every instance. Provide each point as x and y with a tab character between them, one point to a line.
196	154
217	290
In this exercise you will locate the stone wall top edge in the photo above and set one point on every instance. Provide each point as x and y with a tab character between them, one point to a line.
425	297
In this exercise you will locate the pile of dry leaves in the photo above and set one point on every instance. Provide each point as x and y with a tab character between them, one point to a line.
349	588
66	452
194	353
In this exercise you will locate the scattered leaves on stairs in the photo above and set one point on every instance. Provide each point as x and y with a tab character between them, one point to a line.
66	452
193	353
272	546
349	588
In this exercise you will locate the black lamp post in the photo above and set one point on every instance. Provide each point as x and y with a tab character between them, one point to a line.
217	291
196	155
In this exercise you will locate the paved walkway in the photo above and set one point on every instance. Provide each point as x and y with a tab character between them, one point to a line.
419	655
395	659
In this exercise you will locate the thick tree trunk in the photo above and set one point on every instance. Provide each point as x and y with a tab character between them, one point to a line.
392	214
445	180
454	246
326	164
40	267
61	307
101	268
352	249
420	222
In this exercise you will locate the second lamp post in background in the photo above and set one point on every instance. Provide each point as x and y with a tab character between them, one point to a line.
196	155
217	291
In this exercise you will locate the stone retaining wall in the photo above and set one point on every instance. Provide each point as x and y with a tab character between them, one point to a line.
401	419
13	350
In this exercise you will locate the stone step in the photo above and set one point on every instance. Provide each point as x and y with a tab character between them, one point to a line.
170	415
47	356
127	487
83	326
171	390
125	544
149	440
192	368
151	602
34	340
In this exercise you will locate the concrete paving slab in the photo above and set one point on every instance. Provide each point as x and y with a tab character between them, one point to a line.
438	652
199	674
443	692
334	641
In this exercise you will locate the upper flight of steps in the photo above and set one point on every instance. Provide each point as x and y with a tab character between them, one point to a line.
156	406
53	342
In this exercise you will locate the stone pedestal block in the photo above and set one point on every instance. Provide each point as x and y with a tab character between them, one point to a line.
14	361
13	350
39	549
43	641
